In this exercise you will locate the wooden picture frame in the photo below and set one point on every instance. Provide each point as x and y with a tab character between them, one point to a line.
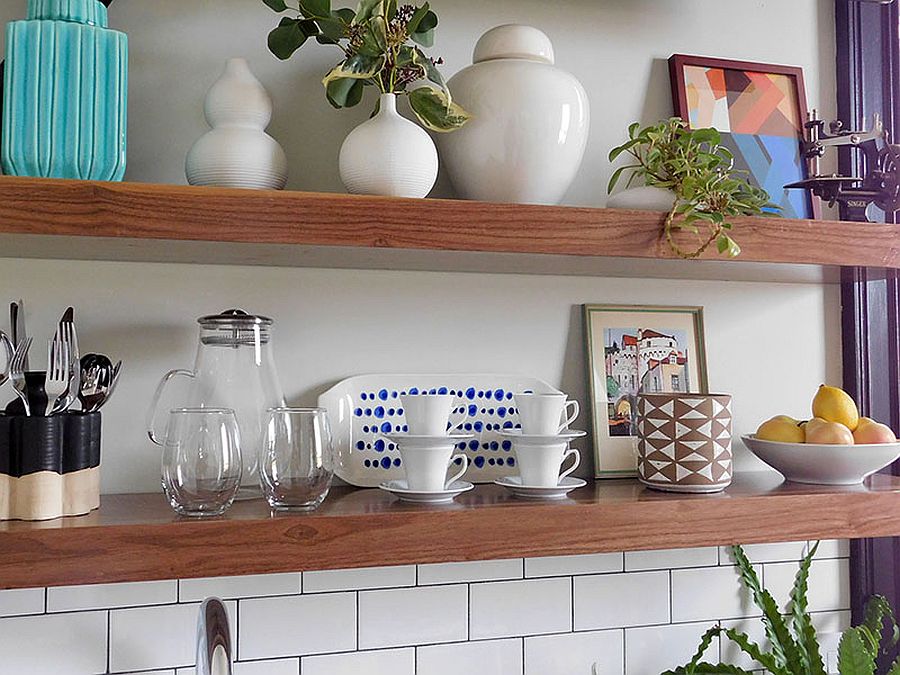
633	348
760	110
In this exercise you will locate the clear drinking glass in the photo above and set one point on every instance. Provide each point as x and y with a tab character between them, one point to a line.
297	458
201	463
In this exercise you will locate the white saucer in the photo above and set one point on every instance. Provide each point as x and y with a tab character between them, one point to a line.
399	488
425	442
514	485
532	439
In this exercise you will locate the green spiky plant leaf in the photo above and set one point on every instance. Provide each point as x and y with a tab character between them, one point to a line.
793	644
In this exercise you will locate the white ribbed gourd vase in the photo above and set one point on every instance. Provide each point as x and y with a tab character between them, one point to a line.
237	151
389	155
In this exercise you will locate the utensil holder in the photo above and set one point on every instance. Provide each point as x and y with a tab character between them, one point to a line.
49	466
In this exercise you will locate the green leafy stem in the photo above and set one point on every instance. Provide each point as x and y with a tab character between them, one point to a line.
382	43
699	171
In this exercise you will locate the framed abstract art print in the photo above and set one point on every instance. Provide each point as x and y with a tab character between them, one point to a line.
632	350
760	110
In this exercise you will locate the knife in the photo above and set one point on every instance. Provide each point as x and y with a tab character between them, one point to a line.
17	324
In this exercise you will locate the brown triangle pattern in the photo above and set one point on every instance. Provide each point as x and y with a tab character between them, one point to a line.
691	448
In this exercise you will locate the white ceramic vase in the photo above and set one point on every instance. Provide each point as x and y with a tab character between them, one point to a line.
529	126
237	151
643	198
389	155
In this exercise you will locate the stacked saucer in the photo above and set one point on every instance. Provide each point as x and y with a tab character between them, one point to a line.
542	447
426	452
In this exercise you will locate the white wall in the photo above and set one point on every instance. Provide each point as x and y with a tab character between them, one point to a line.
768	344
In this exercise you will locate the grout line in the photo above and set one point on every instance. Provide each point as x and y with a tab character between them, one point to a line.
572	603
671	600
357	620
108	641
46	600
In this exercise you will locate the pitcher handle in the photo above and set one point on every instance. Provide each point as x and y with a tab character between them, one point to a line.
571	452
455	477
154	402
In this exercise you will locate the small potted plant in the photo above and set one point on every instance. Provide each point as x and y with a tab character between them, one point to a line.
706	191
381	44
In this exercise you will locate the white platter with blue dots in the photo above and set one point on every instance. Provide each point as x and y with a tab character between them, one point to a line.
362	408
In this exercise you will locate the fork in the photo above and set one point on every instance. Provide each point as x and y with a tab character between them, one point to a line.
17	373
69	339
58	375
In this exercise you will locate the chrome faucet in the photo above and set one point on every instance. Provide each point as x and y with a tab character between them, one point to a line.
213	639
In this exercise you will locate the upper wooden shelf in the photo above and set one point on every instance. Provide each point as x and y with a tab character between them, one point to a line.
138	537
135	221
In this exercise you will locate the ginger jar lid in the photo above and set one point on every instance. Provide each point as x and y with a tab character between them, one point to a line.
89	12
514	41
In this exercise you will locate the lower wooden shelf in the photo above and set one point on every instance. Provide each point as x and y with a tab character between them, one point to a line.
138	537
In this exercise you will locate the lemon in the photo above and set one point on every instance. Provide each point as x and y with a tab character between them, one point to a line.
781	428
835	405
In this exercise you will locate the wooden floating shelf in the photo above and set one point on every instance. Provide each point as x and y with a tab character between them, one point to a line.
138	537
135	221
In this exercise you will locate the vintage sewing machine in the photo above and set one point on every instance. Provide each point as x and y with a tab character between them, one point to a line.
879	188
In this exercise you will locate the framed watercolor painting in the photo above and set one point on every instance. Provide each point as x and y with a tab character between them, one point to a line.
633	349
760	110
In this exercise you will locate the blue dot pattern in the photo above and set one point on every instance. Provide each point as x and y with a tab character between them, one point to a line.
480	410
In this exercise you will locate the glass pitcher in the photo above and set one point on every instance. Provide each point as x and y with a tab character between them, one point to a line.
234	369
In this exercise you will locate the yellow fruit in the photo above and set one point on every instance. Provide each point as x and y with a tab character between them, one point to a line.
835	405
781	428
822	432
870	431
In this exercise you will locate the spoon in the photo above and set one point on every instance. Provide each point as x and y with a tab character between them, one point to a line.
98	381
7	350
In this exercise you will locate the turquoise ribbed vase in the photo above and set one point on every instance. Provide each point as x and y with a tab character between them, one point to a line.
65	93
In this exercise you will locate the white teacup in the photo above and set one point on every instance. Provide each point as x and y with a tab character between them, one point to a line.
545	414
429	414
426	468
539	465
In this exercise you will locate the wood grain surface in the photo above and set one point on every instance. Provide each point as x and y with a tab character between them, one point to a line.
138	537
46	207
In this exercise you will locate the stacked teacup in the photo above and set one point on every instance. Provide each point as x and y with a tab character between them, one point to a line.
542	446
426	451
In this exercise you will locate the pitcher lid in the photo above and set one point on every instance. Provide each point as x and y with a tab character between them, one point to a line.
233	318
514	41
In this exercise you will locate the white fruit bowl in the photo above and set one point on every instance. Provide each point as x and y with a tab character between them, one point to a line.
823	464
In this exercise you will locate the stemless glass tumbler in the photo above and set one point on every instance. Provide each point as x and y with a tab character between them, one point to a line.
297	458
201	464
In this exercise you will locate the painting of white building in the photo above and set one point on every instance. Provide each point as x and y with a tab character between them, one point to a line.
642	360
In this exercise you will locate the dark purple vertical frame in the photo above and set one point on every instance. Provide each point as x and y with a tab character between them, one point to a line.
868	65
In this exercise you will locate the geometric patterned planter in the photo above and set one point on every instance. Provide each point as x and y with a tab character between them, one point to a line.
684	441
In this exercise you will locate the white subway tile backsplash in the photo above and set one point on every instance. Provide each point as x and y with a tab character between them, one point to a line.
250	586
276	667
610	600
762	553
462	572
829	583
655	649
270	628
709	594
638	613
359	579
833	548
673	558
567	565
148	638
64	644
108	596
382	662
497	657
575	653
412	616
513	608
19	601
